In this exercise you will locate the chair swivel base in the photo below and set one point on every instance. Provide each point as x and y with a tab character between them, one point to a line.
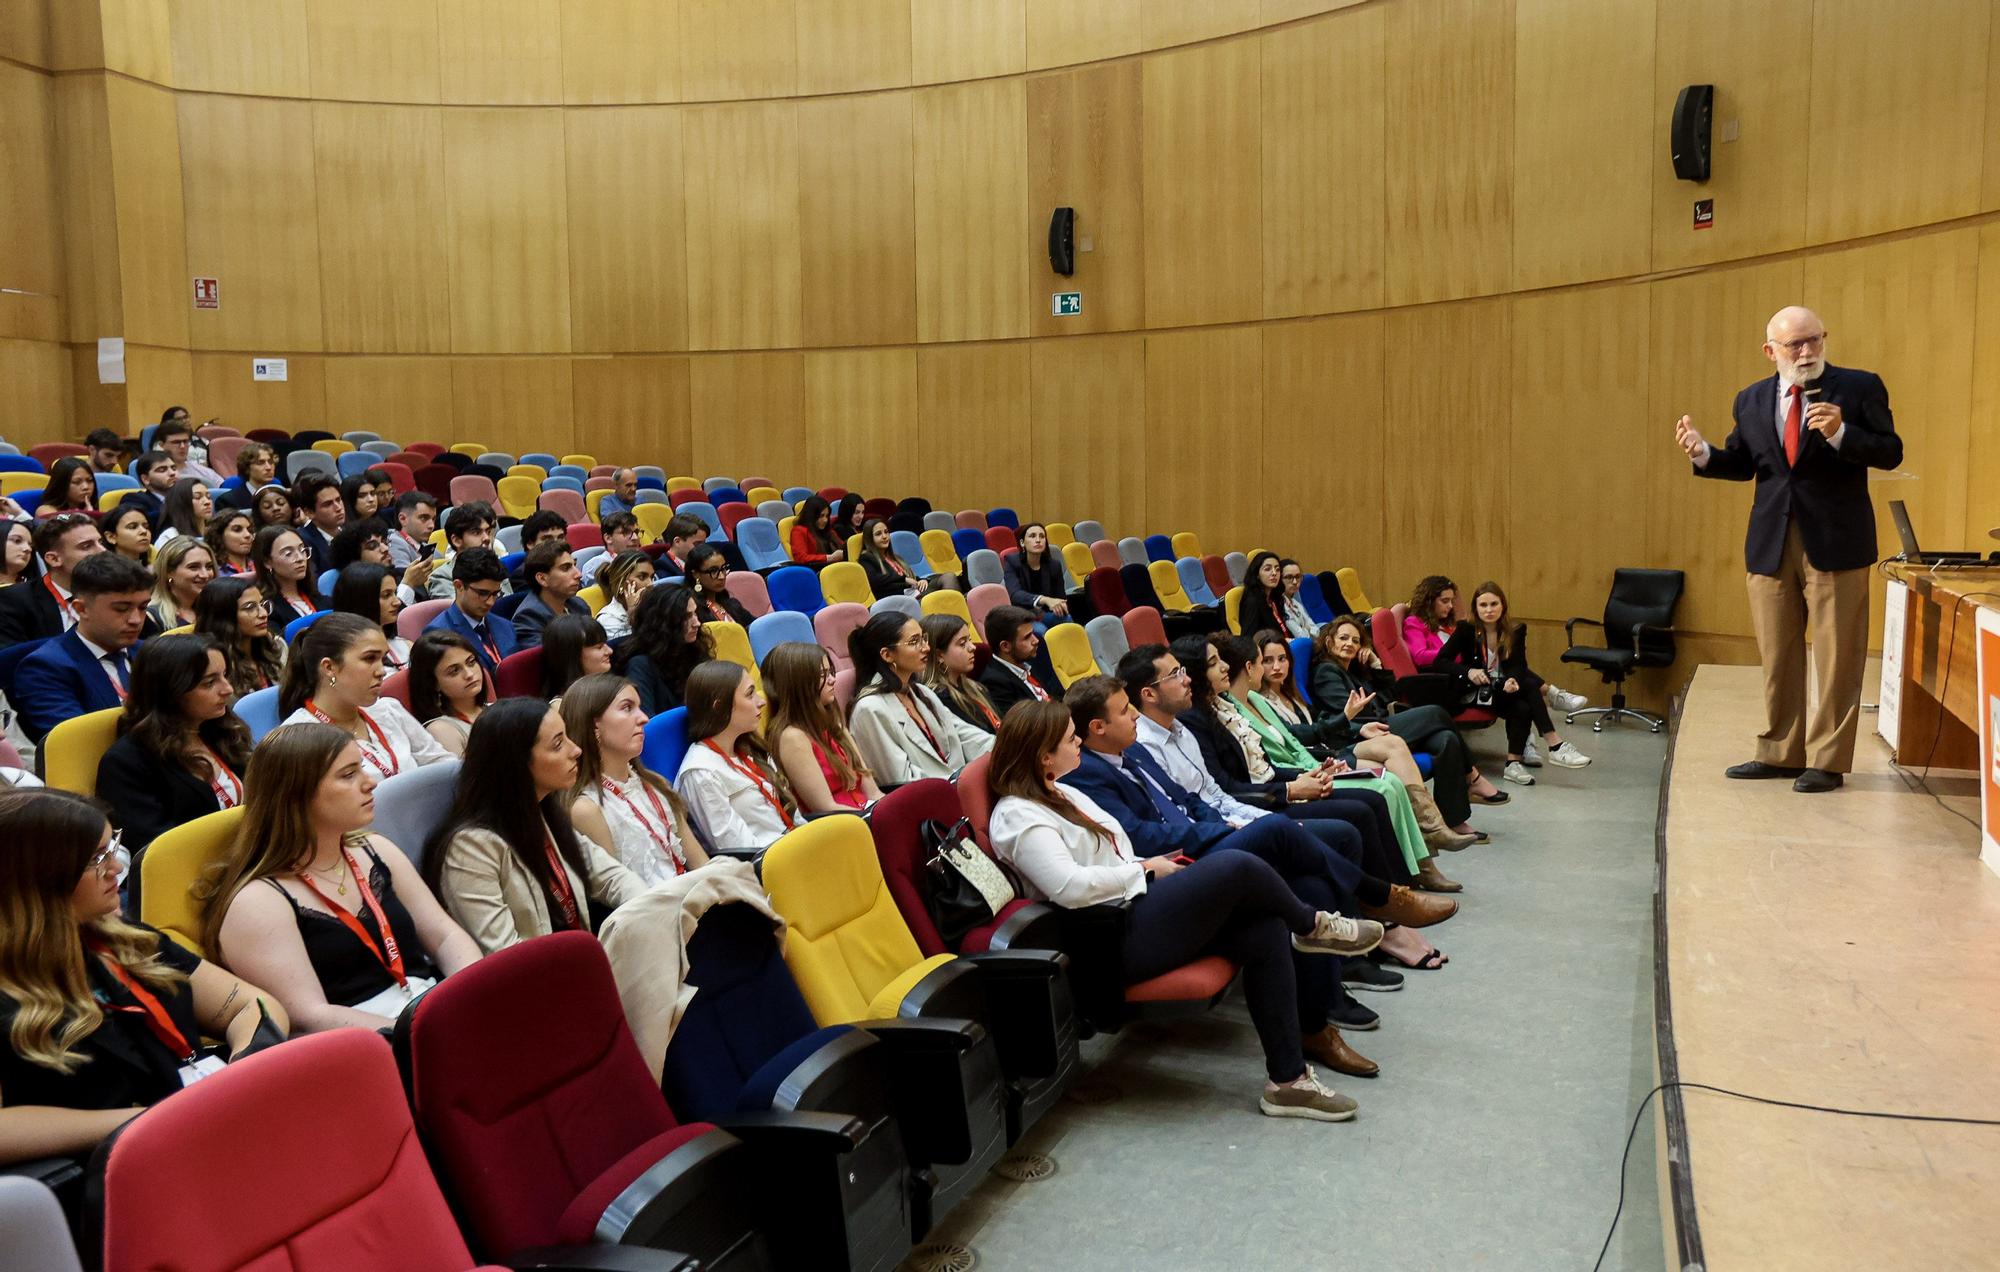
1614	713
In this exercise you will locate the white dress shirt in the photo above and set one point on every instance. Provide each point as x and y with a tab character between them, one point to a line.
1783	409
1060	861
729	807
108	659
410	744
1180	755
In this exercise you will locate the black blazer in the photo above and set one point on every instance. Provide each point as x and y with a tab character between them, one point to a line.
1024	584
28	611
1222	756
884	581
656	693
150	797
1827	490
1006	688
730	605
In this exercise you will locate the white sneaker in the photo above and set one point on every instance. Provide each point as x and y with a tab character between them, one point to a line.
1337	934
1564	700
1568	756
1532	754
1517	773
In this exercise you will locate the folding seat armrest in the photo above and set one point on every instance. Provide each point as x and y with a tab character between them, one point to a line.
1032	1013
602	1258
945	1081
1032	927
955	988
56	1173
1093	937
683	1192
798	1129
1569	627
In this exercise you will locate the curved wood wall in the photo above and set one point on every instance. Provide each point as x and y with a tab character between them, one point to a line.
1422	256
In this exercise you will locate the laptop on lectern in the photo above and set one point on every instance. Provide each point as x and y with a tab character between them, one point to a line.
1914	554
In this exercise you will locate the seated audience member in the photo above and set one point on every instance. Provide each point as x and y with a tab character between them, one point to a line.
622	534
1438	640
506	861
332	919
1499	671
181	568
257	465
17	552
233	613
1072	853
900	728
185	511
106	451
274	507
101	1015
807	734
334	676
625	581
156	474
622	497
708	572
1347	685
733	789
365	541
385	496
573	645
447	687
127	532
1263	601
666	643
72	488
88	668
542	527
849	514
1291	577
479	581
231	534
318	496
369	590
181	751
469	525
1011	635
682	535
815	538
415	517
1034	575
888	575
627	809
41	606
553	582
176	437
949	673
285	574
358	494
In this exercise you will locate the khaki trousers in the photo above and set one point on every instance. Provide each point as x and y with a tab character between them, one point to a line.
1833	606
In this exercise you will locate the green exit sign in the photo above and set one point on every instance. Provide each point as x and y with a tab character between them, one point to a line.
1066	304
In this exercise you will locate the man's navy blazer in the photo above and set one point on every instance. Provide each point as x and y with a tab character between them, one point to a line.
498	629
1152	832
59	681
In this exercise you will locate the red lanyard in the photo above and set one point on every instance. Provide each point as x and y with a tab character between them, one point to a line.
910	706
62	604
387	954
756	776
986	711
227	786
901	569
1034	685
559	884
299	606
664	837
151	1008
394	765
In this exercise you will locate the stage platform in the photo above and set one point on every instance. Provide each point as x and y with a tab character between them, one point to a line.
1839	949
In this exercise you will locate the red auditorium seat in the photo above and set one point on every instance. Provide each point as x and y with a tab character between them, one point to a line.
1107	592
897	823
1385	628
1143	626
519	674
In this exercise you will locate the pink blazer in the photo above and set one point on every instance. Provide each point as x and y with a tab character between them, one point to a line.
1424	644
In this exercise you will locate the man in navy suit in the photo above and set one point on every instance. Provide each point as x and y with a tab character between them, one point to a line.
1807	436
87	668
38	607
477	581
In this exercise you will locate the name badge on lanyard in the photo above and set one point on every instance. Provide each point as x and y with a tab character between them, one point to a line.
207	1066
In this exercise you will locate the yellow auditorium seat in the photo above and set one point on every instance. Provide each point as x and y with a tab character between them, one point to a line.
732	644
591	499
333	446
438	540
581	461
185	629
171	866
1232	609
112	498
71	751
785	525
471	450
938	550
854	547
594	597
1069	651
946	601
535	472
760	494
1350	587
676	485
15	483
1077	559
1187	543
1061	534
844	581
653	519
518	495
1167	582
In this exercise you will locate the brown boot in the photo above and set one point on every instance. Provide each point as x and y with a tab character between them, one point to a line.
1327	1047
1411	909
1438	835
1431	879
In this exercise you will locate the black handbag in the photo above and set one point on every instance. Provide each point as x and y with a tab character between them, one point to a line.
963	887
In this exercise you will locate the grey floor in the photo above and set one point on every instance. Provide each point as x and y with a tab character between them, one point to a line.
1492	1138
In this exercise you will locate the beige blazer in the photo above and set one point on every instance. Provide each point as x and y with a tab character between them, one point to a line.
494	898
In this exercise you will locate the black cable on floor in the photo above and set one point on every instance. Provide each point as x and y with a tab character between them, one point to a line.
1625	1161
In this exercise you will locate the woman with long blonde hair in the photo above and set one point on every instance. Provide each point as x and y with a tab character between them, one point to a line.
949	674
809	736
629	810
181	568
102	1016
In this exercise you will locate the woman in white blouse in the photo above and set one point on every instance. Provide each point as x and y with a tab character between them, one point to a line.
733	789
335	675
625	580
627	808
900	727
1072	853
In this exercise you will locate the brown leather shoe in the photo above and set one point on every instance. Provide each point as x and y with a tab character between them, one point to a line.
1328	1048
1411	909
1432	879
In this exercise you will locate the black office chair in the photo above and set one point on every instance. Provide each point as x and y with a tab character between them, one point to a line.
1638	632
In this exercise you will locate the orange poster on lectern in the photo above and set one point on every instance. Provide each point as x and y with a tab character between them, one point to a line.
1989	738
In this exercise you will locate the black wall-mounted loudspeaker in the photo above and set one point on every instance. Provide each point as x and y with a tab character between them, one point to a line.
1694	110
1062	241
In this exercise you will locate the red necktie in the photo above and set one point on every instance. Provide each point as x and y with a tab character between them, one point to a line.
1792	427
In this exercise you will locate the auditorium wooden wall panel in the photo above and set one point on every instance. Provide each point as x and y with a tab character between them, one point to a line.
35	385
252	211
627	229
1450	104
975	397
93	295
409	399
1757	56
1322	167
1324	443
861	419
152	234
500	52
1163	23
620	51
514	404
1203	185
1084	151
225	390
1989	192
239	46
93	402
1065	33
633	409
735	49
747	411
1897	140
1982	460
157	379
858	277
1087	429
507	217
1204	440
374	50
1583	440
384	250
973	233
954	40
31	226
1583	131
1276	11
743	238
848	46
24	34
135	39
